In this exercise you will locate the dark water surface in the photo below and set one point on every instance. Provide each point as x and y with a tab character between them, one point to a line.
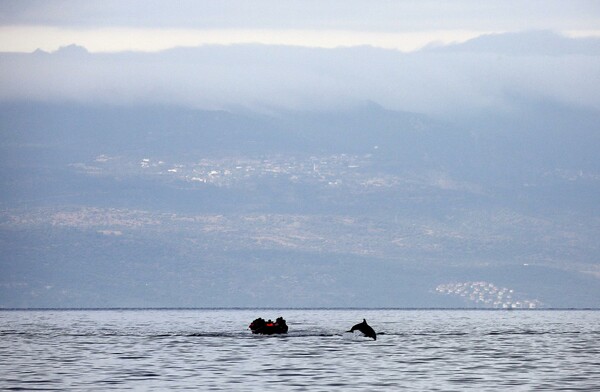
214	350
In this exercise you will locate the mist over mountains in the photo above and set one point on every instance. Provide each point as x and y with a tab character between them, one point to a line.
485	73
531	43
305	177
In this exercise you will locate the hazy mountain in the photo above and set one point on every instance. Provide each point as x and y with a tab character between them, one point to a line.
160	206
528	43
452	81
305	177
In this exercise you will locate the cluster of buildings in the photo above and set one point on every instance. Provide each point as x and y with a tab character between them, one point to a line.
333	170
485	294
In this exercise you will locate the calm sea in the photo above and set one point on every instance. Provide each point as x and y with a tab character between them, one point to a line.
206	350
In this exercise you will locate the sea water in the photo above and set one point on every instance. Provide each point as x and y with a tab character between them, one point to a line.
213	350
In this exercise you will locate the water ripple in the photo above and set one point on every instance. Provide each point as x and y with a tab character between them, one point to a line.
214	350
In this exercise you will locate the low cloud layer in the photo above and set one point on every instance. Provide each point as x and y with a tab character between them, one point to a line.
482	74
356	15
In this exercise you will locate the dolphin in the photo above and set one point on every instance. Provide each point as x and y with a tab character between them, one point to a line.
365	329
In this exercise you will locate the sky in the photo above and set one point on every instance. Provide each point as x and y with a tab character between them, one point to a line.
312	54
113	25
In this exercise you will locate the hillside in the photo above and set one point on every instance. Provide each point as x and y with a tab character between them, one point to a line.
168	206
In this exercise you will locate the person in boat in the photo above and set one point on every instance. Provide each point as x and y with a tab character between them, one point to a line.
280	322
260	326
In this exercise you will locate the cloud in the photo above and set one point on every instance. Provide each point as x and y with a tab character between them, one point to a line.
263	77
112	25
358	15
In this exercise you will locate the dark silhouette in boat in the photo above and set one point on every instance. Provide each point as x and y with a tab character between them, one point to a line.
365	329
260	326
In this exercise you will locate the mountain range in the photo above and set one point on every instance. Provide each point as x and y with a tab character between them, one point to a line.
172	180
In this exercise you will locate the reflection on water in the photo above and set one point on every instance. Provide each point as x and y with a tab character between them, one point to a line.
214	350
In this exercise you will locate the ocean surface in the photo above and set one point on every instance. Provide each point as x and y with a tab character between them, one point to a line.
213	350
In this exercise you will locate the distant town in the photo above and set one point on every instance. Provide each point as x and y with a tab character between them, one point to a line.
486	294
337	170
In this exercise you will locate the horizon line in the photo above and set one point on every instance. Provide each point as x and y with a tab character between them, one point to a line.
28	39
289	308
